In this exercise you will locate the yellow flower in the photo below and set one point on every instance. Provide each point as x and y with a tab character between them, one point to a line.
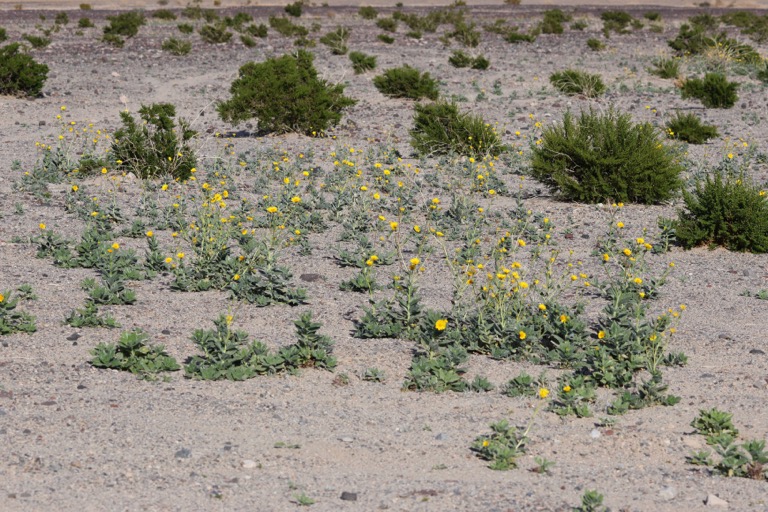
150	234
640	241
2	297
637	280
522	335
236	277
521	243
491	192
414	262
730	156
180	255
393	225
567	388
652	337
486	443
563	318
295	199
682	307
103	170
441	324
601	335
627	252
115	246
41	226
164	187
75	188
272	209
417	229
542	307
369	262
543	392
619	225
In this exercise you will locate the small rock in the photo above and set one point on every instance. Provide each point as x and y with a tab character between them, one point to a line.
249	464
715	501
349	496
346	439
725	336
757	351
311	278
73	337
595	434
41	123
668	493
81	386
184	453
441	437
165	331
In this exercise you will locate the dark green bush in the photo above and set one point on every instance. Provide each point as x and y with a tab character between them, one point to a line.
61	18
126	24
164	14
285	95
185	28
465	34
616	21
238	20
689	128
362	62
439	128
385	38
151	148
714	90
247	41
336	40
114	40
295	9
605	157
3	34
459	59
553	21
573	82
480	62
406	82
36	41
762	73
20	75
515	37
388	24
287	28
725	210
595	45
215	34
259	30
367	13
652	16
85	23
177	46
666	68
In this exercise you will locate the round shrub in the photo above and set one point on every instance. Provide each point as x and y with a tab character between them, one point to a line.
714	90
285	95
406	82
689	128
573	82
439	128
605	157
725	210
20	74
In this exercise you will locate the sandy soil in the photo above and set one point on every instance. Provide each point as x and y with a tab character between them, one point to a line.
78	438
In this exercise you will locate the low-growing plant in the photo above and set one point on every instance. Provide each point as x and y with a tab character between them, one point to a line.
616	21
666	67
88	316
373	375
177	46
595	45
215	33
164	14
11	319
591	501
600	157
406	82
440	128
689	128
155	146
714	90
259	30
726	209
387	24
286	27
126	24
185	28
385	38
134	354
285	94
336	40
294	9
573	82
459	59
553	21
362	62
62	18
3	34
503	446
247	41
85	23
367	12
36	41
20	74
513	36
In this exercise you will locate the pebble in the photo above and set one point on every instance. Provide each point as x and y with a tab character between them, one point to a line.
595	434
441	437
346	439
349	496
715	501
757	351
184	453
668	493
249	464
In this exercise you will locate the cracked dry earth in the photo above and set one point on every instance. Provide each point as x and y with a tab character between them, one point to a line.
73	437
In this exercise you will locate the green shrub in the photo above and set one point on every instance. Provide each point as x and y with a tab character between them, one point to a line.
385	38
362	62
465	34
579	25
515	37
177	46
20	74
3	34
215	34
480	62
690	40
61	18
134	354
114	40
151	148
595	45
285	95
388	24
762	73
652	16
459	59
367	13
36	41
247	41
573	82
259	30
689	128
126	24
164	14
295	9
406	82
439	128
666	68
285	27
714	91
85	7
336	40
605	157
185	28
553	21
238	20
85	23
616	21
725	210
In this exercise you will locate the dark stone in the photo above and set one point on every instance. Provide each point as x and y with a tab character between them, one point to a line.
311	278
349	496
49	402
184	453
73	337
757	351
81	386
165	331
